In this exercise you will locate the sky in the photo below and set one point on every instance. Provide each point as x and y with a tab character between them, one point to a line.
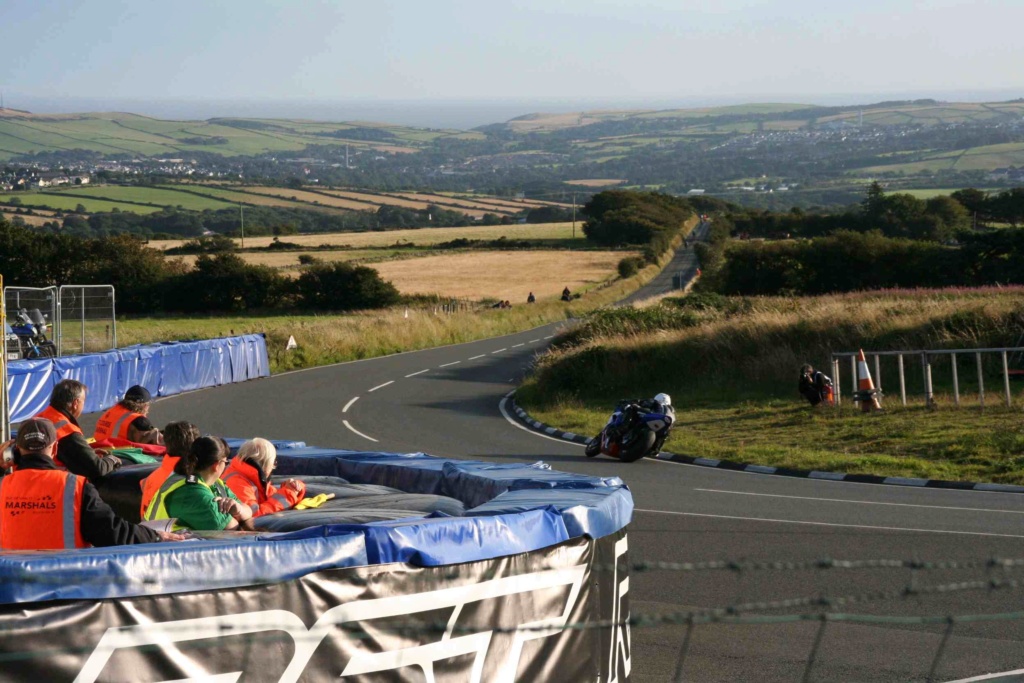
307	55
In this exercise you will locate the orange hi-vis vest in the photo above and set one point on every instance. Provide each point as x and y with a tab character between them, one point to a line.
243	479
41	510
62	424
115	423
151	484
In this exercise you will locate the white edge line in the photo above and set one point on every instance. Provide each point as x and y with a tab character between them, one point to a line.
480	356
381	386
418	373
452	363
989	677
504	413
356	431
349	404
499	350
861	502
832	524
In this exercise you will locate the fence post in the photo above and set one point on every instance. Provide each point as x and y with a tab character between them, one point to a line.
903	381
878	373
1006	379
853	378
981	379
926	365
835	373
956	381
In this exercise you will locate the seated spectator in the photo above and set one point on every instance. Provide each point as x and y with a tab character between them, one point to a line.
566	295
129	419
178	437
531	299
67	401
195	497
248	476
45	508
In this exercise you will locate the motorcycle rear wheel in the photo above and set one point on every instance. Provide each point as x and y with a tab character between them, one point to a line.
638	447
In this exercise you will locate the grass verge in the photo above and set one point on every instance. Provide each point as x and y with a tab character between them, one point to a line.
731	367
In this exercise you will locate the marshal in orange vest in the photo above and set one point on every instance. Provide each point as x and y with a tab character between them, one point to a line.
41	510
64	426
115	423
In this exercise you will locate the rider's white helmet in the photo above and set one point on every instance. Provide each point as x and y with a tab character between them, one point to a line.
663	399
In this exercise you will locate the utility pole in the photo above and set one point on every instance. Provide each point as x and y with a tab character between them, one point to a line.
241	221
574	215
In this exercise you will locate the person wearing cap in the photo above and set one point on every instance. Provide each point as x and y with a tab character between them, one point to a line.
45	508
128	419
67	401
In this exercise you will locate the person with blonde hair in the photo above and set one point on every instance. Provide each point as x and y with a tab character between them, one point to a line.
248	477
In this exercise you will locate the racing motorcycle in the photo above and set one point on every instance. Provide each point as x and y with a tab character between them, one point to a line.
30	326
636	428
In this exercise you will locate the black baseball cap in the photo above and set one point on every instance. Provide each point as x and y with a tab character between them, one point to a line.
36	434
138	393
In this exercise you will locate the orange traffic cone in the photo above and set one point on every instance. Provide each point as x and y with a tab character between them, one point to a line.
866	392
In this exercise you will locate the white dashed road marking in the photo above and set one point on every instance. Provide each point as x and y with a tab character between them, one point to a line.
550	336
533	341
418	373
349	404
356	431
499	350
516	346
381	386
480	356
447	364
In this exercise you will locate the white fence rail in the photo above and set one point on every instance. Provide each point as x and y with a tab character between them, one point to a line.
927	359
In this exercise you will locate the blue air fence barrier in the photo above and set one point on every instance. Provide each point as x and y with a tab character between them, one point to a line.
165	369
546	561
559	507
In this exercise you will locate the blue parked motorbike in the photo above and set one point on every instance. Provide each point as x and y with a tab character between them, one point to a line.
31	327
637	428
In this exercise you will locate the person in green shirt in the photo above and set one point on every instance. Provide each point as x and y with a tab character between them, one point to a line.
197	497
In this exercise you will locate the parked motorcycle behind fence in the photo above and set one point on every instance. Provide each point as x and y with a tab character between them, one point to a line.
31	328
637	428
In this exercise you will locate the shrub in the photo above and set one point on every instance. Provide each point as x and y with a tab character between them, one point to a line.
629	266
343	287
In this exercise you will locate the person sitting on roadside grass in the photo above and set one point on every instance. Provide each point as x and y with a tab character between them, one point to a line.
815	386
248	476
128	419
178	437
196	497
566	294
67	402
45	508
531	299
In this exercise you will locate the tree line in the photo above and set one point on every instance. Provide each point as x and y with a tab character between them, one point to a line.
148	283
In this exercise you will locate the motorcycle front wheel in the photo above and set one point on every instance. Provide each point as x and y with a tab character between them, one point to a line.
638	447
593	448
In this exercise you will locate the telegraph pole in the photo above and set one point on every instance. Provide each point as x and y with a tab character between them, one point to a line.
574	215
241	221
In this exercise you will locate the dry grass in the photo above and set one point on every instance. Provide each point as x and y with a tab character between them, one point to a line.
517	204
289	260
310	198
502	274
419	237
34	219
596	182
487	207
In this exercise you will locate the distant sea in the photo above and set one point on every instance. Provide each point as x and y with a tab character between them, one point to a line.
446	113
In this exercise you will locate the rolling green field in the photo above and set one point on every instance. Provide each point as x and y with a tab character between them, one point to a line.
985	158
69	203
148	195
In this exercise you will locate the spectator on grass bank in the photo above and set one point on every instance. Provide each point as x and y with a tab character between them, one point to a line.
45	508
67	401
815	386
178	437
566	295
128	419
196	497
531	299
248	476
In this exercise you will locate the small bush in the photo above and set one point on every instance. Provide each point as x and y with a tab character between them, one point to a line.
629	266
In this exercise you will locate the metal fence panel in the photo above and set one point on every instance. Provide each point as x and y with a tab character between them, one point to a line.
27	301
87	319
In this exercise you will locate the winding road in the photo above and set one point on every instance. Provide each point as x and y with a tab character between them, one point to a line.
450	401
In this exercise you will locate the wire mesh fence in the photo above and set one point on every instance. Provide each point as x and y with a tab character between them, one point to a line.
87	319
32	312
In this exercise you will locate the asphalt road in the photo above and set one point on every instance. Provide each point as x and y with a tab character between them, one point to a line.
448	402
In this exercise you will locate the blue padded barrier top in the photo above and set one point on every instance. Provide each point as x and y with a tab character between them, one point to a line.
518	508
165	369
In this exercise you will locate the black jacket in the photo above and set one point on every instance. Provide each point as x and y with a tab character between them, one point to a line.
78	456
99	525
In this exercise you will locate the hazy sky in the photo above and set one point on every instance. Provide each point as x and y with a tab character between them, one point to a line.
596	50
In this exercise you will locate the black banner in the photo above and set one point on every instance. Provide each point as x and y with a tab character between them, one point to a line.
549	615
